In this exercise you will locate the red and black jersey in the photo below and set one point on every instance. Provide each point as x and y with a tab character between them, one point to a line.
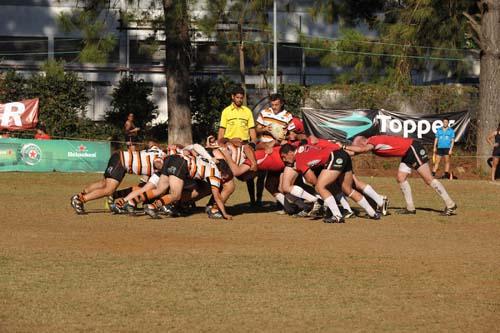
389	146
309	157
268	162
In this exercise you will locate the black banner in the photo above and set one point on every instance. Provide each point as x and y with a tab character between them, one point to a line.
346	124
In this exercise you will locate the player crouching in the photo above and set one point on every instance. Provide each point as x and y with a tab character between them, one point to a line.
176	171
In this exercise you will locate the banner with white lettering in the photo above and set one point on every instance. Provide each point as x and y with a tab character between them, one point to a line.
53	155
346	124
18	116
422	127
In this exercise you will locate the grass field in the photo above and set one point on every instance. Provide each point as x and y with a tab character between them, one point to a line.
259	272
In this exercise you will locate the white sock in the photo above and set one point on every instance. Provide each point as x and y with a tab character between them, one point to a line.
439	188
343	202
332	205
406	188
369	191
366	206
280	197
300	193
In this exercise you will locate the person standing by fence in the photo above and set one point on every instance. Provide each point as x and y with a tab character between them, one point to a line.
443	147
494	140
131	132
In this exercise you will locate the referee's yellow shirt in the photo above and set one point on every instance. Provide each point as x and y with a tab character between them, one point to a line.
237	121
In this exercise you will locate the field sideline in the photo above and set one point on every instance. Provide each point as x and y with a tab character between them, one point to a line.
259	272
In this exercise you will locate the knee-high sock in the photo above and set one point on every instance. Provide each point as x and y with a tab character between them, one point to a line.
406	189
280	198
439	188
300	193
366	206
369	191
343	202
332	205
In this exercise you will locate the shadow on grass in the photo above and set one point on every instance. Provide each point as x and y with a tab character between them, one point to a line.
245	208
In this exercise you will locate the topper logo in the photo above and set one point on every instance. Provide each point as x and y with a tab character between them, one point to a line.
421	127
13	110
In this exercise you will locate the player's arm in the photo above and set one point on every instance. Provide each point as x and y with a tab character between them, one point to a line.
434	149
359	149
452	142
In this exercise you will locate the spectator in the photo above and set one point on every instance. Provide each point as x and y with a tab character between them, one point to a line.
443	147
4	134
131	132
494	140
41	133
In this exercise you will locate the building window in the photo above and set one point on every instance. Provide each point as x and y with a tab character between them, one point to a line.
23	48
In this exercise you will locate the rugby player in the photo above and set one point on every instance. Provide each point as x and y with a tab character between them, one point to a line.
178	168
332	163
413	155
142	163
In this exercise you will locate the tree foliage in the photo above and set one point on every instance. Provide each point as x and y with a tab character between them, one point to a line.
132	96
412	35
208	99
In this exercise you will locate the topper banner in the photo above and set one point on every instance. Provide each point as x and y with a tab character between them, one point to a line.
16	116
346	124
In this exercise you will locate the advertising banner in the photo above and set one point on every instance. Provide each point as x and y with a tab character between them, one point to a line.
340	124
422	127
346	124
53	155
18	116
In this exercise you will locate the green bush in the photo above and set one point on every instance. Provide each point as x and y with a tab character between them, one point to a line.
208	99
294	97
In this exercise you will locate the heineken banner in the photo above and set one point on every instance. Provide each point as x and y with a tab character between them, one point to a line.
53	155
346	124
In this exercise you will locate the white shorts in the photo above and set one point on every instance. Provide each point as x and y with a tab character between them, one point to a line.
154	179
403	167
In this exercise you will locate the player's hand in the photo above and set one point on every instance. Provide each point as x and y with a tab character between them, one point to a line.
227	216
254	167
314	140
450	152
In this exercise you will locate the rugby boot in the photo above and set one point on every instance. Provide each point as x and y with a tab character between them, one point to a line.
77	204
151	211
383	209
450	211
334	219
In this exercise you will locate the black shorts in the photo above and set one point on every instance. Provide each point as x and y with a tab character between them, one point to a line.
131	139
496	152
415	156
175	166
115	169
339	161
443	151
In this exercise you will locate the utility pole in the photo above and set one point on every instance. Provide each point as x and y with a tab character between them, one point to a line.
275	49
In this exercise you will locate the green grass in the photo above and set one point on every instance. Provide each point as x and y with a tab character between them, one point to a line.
259	272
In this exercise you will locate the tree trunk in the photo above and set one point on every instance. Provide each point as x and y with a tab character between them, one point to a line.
489	86
178	46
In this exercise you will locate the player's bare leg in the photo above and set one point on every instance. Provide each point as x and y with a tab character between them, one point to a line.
425	172
326	177
402	178
346	179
